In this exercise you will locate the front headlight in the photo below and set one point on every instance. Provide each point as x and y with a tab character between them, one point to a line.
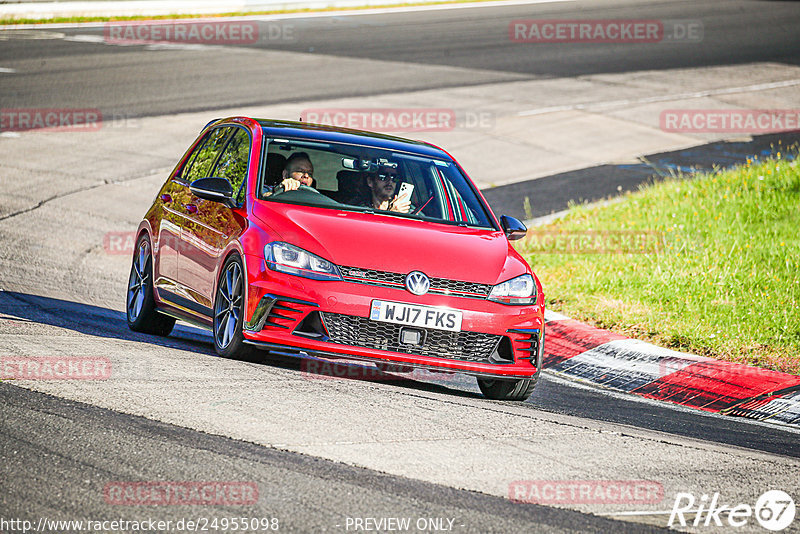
519	290
286	258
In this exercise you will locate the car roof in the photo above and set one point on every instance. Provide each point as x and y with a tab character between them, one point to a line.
333	134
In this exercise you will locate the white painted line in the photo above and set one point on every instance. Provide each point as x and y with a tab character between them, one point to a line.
155	45
179	46
639	512
6	70
410	9
662	98
9	33
285	16
85	38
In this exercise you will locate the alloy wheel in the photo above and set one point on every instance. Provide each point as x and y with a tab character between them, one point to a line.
228	306
137	283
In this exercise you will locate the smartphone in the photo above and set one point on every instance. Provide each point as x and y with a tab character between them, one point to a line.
405	191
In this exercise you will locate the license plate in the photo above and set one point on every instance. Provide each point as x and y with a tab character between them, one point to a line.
416	315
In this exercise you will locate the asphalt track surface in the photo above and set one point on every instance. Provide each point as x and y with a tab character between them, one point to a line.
446	48
58	442
58	453
553	395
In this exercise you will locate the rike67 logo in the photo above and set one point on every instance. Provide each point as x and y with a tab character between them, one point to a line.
774	510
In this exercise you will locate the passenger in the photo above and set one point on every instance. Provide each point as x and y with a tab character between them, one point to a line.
382	186
298	171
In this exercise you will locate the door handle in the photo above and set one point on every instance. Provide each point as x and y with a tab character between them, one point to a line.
166	199
191	208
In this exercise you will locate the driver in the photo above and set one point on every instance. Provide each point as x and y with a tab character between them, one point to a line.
382	186
298	171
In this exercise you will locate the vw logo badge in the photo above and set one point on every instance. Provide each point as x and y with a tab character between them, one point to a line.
417	283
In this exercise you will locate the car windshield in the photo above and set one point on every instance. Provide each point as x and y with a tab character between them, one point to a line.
357	178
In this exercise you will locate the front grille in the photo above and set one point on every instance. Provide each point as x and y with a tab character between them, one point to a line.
362	332
354	274
442	286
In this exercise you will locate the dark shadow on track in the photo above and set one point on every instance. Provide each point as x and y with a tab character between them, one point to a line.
95	321
102	322
551	395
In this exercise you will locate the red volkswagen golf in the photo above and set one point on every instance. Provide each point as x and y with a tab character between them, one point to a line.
309	239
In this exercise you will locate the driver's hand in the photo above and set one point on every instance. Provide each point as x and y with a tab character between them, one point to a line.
290	184
400	206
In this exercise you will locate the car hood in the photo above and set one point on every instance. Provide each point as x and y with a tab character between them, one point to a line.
397	244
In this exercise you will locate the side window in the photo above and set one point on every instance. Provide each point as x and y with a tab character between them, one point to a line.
232	164
463	206
205	155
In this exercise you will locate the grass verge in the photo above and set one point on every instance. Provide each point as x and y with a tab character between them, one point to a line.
708	264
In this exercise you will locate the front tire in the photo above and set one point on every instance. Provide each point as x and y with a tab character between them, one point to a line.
511	390
229	311
139	303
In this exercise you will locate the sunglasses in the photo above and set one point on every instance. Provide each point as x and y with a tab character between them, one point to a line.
388	177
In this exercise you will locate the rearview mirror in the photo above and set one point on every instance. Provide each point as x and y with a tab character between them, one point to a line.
371	165
215	189
513	228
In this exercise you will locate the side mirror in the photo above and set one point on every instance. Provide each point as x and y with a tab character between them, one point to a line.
513	228
215	189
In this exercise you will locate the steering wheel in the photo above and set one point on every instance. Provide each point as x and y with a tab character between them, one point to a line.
279	189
